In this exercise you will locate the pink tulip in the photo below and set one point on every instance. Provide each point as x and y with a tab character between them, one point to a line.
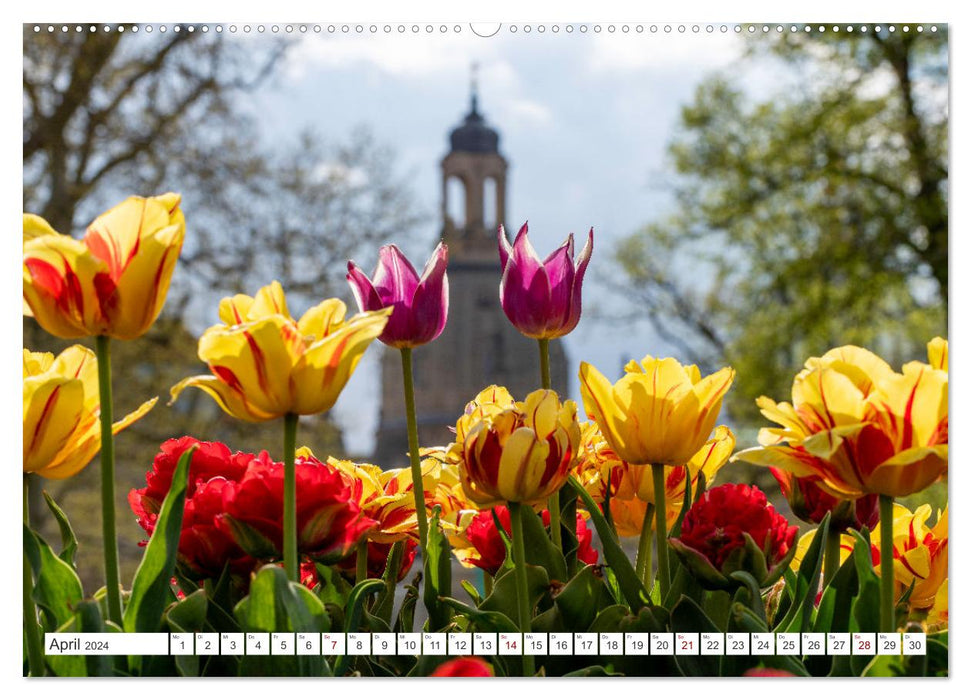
420	305
541	298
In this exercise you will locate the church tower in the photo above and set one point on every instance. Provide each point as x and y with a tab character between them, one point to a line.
479	346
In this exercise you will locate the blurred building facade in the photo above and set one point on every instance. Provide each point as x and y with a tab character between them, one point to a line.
479	346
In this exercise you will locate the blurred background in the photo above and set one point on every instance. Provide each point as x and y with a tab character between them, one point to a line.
756	198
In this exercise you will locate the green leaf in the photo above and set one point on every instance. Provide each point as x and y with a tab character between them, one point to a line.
151	590
483	620
57	588
189	614
505	597
540	550
590	672
799	616
687	616
438	575
355	610
405	622
472	591
581	599
384	605
69	542
747	621
627	578
276	604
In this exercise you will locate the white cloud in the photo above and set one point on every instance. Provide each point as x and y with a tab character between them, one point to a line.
635	52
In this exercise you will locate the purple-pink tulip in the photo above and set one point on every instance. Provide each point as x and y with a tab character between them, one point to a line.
420	304
541	297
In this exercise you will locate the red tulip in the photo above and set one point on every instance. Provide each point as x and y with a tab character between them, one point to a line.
541	298
465	667
734	528
204	546
420	304
329	521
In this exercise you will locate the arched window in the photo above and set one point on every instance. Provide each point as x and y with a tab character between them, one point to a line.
455	201
490	204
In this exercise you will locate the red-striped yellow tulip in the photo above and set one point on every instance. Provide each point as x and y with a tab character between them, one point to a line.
519	453
266	365
659	412
113	282
919	554
62	432
859	426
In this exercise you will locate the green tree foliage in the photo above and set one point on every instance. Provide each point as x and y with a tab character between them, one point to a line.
810	218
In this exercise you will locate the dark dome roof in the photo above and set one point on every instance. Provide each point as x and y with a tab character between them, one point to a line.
473	135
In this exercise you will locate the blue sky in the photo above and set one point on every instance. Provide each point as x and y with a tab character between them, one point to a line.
584	120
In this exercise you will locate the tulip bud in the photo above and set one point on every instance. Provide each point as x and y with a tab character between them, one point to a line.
420	305
734	528
541	298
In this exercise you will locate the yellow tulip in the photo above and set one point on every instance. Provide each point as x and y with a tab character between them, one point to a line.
919	553
659	412
266	365
859	426
114	281
62	432
518	453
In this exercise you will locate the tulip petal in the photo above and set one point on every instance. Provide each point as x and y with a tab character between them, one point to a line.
75	459
364	292
505	250
321	372
909	471
559	269
230	399
53	406
522	465
575	302
144	285
241	308
429	309
63	285
323	319
258	356
117	235
937	353
395	279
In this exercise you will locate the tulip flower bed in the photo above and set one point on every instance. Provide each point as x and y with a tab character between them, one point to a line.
286	541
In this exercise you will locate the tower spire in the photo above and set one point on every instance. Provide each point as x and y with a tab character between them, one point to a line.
474	86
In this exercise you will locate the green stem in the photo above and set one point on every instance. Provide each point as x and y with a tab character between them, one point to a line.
291	563
887	616
553	503
487	583
413	449
544	363
35	647
643	567
831	563
109	536
660	513
519	559
361	572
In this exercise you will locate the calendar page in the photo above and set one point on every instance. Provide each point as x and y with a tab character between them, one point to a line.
533	349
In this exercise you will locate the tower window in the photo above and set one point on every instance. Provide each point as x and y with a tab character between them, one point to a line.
490	204
455	201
